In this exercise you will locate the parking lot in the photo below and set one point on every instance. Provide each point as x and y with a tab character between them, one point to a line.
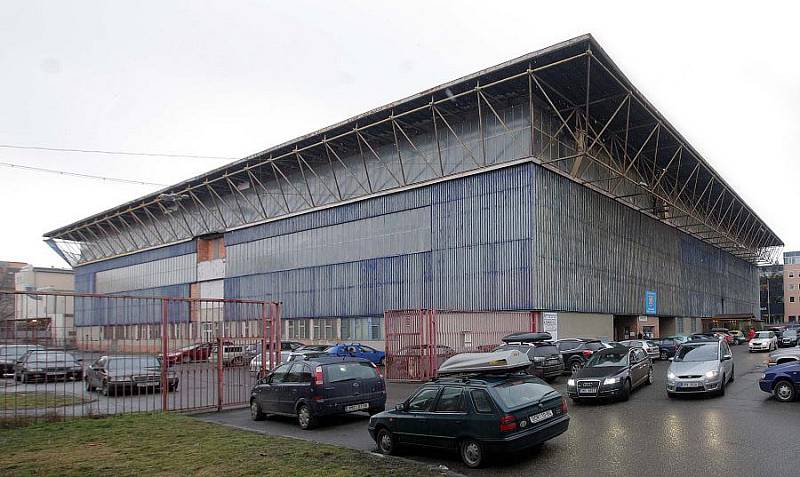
197	388
742	433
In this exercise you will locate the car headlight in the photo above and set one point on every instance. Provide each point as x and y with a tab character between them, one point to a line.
763	375
671	375
712	374
538	359
610	381
570	382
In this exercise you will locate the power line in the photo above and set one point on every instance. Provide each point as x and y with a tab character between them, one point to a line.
78	174
116	153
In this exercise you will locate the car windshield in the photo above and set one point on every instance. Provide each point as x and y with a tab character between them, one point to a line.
312	348
701	352
346	371
332	349
762	334
608	358
133	362
51	357
790	334
518	393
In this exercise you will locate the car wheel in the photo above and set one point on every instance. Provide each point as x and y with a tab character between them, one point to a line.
305	418
664	354
733	374
105	390
24	378
256	413
650	377
387	444
626	390
575	366
784	391
471	453
722	385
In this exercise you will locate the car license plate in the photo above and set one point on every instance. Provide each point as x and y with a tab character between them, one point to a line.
688	384
587	390
356	407
55	374
541	416
145	385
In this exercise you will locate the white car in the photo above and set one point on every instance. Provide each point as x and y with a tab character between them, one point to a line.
232	355
763	341
652	349
255	363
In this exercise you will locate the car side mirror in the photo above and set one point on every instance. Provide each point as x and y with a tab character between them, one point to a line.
401	407
727	357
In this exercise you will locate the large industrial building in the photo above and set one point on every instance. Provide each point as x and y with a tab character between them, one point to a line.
547	183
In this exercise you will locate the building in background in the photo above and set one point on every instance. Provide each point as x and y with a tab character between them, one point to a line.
791	286
42	318
771	285
7	272
547	183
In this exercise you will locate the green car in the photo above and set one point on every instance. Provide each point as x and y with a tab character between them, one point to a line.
476	415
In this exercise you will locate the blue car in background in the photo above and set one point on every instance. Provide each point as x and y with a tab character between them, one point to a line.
782	381
357	350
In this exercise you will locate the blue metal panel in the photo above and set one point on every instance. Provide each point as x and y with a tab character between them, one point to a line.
141	257
101	311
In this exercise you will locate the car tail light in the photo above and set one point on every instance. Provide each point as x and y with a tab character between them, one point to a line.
319	379
377	371
508	423
564	406
586	353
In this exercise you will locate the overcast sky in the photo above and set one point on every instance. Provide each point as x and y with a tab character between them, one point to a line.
232	78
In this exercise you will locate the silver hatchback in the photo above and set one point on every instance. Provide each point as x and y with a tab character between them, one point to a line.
700	366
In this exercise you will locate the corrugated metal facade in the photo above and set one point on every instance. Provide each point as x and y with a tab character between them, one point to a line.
516	238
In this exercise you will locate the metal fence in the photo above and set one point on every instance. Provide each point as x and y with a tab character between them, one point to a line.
418	341
76	354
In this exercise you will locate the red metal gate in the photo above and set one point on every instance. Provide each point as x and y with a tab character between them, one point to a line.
109	354
419	341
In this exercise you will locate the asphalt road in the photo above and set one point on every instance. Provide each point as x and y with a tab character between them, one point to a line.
743	433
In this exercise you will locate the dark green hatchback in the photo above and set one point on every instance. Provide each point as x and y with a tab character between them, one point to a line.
475	415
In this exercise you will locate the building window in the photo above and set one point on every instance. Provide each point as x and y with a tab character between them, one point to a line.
791	299
362	328
679	325
296	329
792	319
325	329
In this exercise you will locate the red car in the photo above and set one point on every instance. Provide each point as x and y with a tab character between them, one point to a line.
187	354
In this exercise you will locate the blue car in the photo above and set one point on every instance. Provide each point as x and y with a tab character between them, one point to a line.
357	350
782	381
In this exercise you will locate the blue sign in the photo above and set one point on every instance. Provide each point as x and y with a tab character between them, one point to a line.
650	301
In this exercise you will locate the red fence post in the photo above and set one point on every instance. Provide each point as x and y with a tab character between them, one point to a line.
220	376
277	335
164	357
263	371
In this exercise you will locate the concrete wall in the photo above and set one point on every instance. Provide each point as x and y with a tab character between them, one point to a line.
589	325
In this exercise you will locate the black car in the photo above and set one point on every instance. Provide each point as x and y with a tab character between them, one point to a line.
115	374
47	365
576	351
9	354
667	347
611	373
788	338
476	415
546	360
316	387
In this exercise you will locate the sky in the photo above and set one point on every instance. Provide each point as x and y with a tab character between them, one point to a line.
227	79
